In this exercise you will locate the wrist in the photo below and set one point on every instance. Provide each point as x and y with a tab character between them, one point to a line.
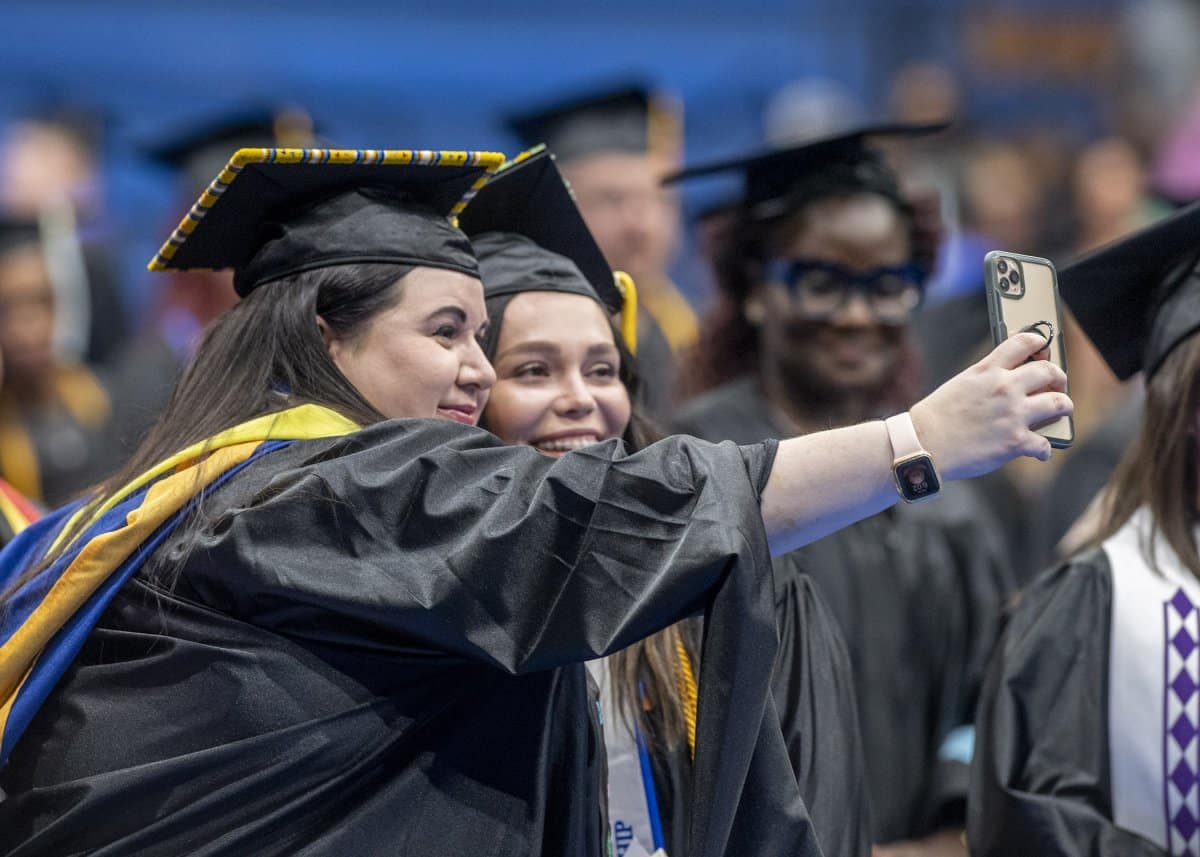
926	425
914	469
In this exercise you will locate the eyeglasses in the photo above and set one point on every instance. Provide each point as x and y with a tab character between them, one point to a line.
823	289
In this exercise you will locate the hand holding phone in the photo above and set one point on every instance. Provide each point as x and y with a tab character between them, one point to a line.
1022	294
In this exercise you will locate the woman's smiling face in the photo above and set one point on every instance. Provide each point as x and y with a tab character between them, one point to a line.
421	357
558	384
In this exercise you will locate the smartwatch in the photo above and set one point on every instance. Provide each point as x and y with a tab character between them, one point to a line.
912	466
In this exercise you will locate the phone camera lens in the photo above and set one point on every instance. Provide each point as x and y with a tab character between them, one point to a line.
1002	266
1014	277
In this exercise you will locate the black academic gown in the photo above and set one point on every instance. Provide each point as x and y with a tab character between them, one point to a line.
1040	780
374	646
916	593
812	682
814	695
813	686
657	370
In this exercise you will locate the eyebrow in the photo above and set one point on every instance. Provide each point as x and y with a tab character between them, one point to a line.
545	346
450	309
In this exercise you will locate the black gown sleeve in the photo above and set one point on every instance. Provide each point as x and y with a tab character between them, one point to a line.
813	686
430	540
413	535
1040	774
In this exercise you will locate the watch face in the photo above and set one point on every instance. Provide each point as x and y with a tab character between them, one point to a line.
917	479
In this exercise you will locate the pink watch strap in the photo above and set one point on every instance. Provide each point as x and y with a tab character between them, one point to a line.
903	436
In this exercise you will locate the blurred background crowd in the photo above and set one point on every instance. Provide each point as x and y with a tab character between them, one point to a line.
1073	123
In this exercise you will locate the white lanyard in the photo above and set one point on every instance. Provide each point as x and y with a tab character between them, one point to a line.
632	805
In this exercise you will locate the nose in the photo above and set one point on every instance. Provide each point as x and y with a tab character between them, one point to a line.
574	398
856	312
475	371
637	214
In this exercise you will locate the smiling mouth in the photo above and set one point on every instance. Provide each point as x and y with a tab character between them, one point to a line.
566	444
461	414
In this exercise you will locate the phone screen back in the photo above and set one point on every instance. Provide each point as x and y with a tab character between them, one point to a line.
1036	302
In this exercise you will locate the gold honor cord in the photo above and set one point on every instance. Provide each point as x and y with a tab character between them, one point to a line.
629	310
685	679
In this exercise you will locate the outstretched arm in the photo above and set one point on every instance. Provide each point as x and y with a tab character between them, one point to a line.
972	424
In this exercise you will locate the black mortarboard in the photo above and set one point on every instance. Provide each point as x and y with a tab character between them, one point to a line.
772	178
18	232
198	148
529	236
529	197
1139	297
272	213
628	119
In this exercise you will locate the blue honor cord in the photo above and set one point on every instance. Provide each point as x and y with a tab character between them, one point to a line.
648	786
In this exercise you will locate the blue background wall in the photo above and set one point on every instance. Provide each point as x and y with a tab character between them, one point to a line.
378	74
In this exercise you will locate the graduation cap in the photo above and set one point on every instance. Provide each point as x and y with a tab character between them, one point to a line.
1139	297
772	178
272	213
198	148
627	119
529	236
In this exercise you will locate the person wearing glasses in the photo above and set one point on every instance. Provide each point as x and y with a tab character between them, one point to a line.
821	268
321	612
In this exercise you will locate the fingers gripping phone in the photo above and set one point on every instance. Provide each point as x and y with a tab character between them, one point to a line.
1022	294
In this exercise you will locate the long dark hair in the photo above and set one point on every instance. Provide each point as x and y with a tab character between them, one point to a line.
1158	470
645	676
264	354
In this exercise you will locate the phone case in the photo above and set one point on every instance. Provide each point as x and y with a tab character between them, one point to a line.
1015	306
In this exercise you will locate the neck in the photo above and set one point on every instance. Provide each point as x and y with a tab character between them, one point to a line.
803	408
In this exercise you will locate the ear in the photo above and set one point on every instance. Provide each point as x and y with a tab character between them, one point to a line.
753	309
333	344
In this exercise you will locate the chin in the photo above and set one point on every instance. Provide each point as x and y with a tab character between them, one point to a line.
858	378
865	373
827	379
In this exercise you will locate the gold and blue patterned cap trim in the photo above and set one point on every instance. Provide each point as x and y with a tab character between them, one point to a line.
488	162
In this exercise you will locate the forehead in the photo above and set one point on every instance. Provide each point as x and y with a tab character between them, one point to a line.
611	169
555	317
430	288
847	229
